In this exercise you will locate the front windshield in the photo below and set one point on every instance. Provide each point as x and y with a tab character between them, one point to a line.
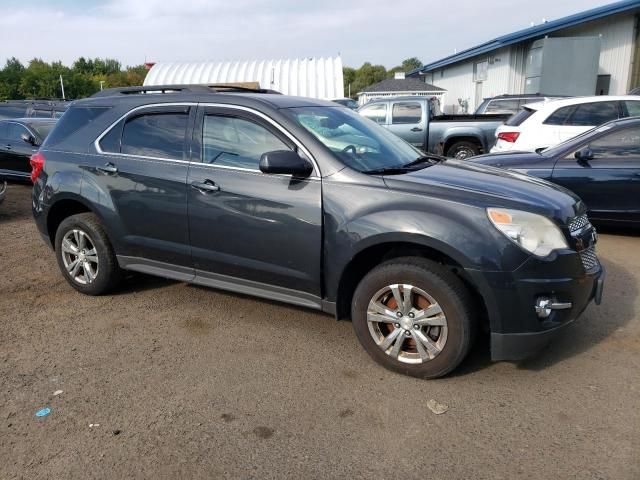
358	142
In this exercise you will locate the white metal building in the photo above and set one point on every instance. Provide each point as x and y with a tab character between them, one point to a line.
500	66
306	77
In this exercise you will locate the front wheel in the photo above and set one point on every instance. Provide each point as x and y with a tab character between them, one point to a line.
414	317
463	150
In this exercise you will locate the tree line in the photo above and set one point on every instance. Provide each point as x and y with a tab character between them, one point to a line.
40	79
369	74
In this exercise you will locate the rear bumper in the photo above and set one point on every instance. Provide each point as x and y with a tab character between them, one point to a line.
518	346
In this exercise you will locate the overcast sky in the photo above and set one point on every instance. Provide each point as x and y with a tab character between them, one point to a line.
196	30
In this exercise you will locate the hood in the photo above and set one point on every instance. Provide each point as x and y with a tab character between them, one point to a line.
486	186
510	159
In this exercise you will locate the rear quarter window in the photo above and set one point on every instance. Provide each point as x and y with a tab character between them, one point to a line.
73	120
518	118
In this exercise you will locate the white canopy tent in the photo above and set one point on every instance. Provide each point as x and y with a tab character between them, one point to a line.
306	77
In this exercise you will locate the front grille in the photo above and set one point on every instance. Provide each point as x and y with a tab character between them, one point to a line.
589	258
578	223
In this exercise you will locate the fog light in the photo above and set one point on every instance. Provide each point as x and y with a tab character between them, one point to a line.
544	306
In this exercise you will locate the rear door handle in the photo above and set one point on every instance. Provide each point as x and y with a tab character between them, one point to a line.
208	186
416	129
108	168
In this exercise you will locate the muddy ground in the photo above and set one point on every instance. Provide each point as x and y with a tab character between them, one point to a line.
197	383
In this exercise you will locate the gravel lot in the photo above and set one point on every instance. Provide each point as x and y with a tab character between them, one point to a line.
189	381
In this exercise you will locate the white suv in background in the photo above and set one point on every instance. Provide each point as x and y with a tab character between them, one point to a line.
545	124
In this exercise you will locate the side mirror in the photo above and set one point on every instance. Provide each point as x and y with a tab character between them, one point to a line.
30	139
584	154
285	162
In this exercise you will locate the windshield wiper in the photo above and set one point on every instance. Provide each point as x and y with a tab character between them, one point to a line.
424	159
387	171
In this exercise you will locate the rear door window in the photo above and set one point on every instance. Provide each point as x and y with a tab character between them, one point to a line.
593	114
156	134
3	130
406	112
377	112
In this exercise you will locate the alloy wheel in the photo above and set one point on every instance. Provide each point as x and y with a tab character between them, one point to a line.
79	256
407	323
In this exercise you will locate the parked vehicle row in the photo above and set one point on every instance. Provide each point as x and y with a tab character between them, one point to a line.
19	139
32	108
602	166
545	124
309	203
418	121
510	104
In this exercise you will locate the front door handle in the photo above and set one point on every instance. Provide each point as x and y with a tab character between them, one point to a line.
208	186
108	168
416	129
8	147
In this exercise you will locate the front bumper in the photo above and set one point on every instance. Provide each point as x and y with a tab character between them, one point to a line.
518	346
517	331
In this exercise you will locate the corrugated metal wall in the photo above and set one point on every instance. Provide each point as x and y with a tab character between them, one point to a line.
616	47
306	77
506	73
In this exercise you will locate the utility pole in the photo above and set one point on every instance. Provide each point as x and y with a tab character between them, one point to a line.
62	87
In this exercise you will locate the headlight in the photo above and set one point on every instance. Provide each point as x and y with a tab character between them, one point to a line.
534	233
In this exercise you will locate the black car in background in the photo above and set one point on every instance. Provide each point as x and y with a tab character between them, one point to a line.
19	139
32	109
602	166
510	103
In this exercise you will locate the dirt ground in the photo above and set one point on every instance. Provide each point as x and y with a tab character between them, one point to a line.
197	383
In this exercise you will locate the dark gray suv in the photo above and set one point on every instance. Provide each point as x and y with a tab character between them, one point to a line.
306	202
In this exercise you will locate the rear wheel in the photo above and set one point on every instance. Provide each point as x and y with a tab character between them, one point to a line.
85	255
413	316
463	150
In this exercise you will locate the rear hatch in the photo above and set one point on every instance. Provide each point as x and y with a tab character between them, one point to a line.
507	134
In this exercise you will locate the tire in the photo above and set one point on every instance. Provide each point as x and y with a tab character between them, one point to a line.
463	150
447	343
95	273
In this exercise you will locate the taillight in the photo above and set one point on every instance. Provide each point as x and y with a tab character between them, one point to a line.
37	164
510	137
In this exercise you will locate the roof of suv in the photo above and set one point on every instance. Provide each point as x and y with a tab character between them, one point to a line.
198	94
563	102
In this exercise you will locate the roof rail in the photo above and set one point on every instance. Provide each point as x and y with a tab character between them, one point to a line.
248	87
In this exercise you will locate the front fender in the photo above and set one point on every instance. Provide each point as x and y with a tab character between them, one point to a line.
356	221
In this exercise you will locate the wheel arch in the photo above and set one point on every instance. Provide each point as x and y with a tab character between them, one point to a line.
62	208
373	254
450	141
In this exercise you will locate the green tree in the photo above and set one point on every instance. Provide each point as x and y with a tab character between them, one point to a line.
10	77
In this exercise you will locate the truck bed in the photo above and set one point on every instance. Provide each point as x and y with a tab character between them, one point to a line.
491	117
